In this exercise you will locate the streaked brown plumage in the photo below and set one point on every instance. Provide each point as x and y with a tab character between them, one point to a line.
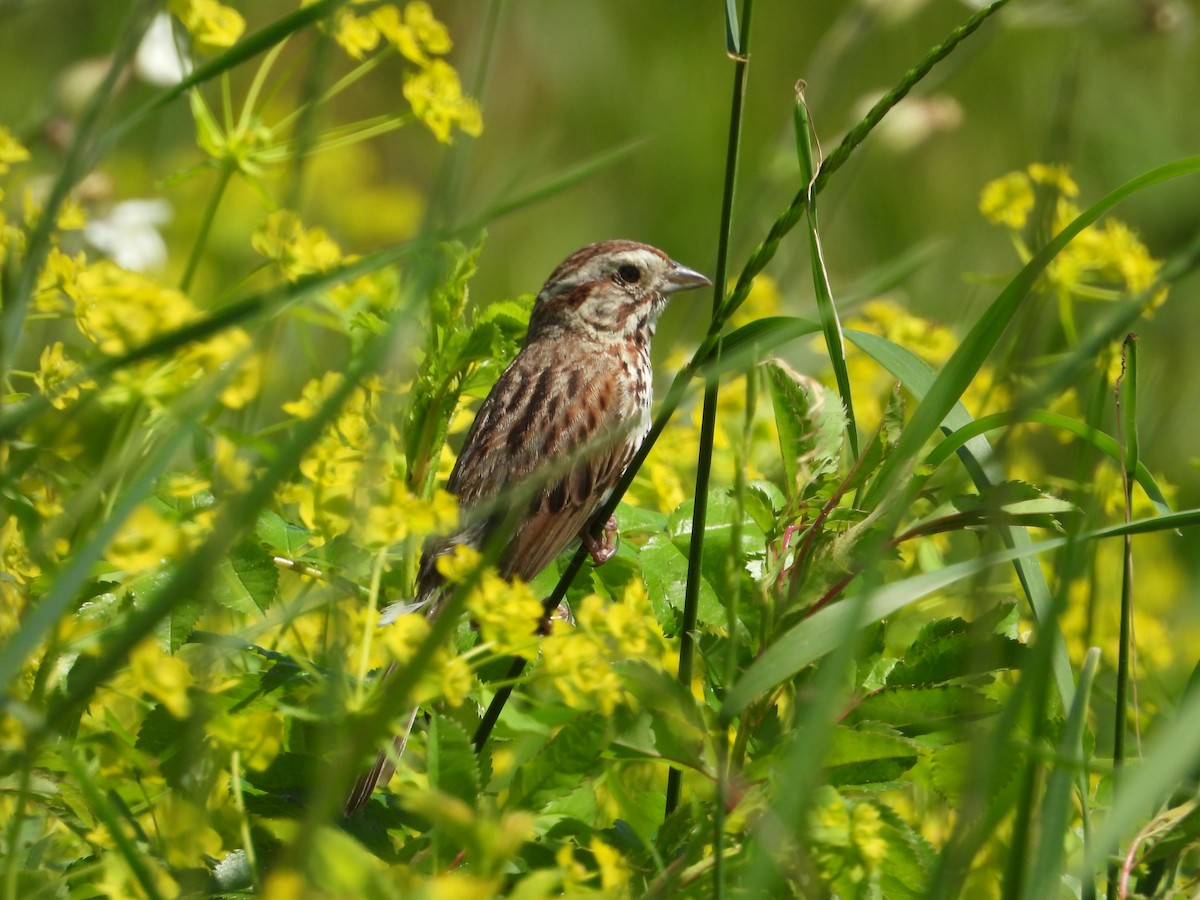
560	425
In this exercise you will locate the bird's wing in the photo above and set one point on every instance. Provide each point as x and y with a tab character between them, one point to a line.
549	437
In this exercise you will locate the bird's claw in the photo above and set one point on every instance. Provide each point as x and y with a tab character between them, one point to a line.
603	547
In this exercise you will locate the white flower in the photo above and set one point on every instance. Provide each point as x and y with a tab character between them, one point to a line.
159	60
129	236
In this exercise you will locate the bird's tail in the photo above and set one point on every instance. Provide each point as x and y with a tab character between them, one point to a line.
381	771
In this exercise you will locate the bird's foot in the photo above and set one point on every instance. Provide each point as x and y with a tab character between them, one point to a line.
603	547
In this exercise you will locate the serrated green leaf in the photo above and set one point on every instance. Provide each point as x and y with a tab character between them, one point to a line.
510	316
671	726
664	567
811	424
919	710
278	534
567	756
247	581
868	754
453	769
956	656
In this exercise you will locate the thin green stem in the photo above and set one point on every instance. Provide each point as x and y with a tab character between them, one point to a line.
1126	396
708	418
224	174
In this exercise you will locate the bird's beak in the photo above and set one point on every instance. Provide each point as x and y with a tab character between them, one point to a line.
681	278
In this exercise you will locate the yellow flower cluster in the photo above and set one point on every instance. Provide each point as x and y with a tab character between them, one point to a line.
298	251
351	483
432	88
507	612
212	25
447	675
120	311
615	874
145	541
17	570
579	660
1103	262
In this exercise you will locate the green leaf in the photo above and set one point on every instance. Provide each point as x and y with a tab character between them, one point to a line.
950	649
868	754
811	424
664	566
453	768
923	709
670	726
278	534
571	753
247	581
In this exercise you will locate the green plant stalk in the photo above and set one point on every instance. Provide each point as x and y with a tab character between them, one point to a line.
1045	873
708	416
1126	395
224	174
835	342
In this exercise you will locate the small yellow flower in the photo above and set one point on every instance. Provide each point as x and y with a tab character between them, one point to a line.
297	250
507	614
229	469
71	216
119	310
184	832
256	734
56	282
615	873
58	378
577	664
404	636
457	680
574	873
11	150
1008	200
229	348
212	25
436	97
1055	176
393	514
15	561
146	540
164	677
312	395
357	35
418	33
866	827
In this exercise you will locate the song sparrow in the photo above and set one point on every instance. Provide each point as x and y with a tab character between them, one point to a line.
553	437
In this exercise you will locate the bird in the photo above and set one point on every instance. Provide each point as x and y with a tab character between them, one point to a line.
557	430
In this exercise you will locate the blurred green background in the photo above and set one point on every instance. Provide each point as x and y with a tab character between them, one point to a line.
1106	87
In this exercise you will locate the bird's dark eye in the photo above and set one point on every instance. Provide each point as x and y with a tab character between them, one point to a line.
629	273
